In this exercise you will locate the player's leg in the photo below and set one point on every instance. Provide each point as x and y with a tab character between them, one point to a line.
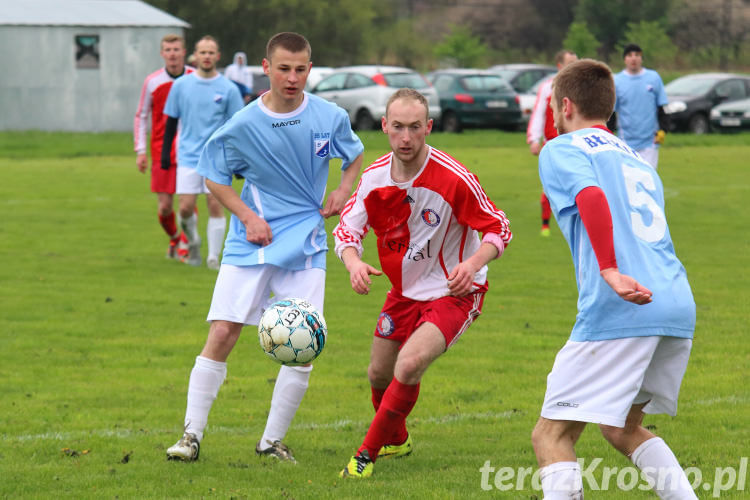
554	445
206	377
546	214
163	183
658	394
217	226
237	300
292	381
651	155
189	185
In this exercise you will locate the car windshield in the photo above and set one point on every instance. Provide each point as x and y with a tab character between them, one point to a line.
410	80
688	85
508	74
489	83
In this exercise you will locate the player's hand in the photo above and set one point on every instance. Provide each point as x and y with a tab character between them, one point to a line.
141	162
659	137
335	202
626	286
359	276
461	279
535	147
258	231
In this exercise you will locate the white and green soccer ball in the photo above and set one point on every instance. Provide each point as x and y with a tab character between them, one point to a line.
292	332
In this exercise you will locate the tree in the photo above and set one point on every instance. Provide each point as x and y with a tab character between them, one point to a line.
581	41
461	48
657	48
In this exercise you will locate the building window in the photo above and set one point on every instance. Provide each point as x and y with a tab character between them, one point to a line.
87	51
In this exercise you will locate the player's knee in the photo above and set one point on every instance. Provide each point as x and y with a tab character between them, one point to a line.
223	333
616	436
409	368
378	376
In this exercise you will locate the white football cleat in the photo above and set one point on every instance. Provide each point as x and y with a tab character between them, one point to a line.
187	449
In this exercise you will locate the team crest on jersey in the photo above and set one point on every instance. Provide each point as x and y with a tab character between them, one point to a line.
322	144
385	325
218	98
430	217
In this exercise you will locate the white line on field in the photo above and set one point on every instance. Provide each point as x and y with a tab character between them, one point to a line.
335	425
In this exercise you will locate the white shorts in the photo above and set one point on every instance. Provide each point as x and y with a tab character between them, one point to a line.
651	155
242	293
189	181
599	381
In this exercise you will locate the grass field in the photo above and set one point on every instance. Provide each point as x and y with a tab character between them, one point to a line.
98	333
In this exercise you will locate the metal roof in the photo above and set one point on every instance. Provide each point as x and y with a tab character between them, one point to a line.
84	13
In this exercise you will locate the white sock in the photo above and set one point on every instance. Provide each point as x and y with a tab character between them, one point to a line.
290	387
189	226
217	226
205	380
562	481
657	462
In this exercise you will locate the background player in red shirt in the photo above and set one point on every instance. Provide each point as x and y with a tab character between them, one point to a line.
153	96
541	126
426	210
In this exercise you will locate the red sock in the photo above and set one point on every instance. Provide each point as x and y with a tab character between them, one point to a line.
546	209
169	224
397	403
377	397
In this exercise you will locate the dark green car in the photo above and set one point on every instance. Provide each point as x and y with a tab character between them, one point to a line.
731	116
475	98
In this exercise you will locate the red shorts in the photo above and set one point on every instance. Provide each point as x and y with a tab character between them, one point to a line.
400	316
163	181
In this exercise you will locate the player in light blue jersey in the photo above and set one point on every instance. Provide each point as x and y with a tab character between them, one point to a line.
276	248
641	120
631	341
201	103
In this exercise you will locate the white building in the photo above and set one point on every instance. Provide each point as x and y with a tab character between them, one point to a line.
77	65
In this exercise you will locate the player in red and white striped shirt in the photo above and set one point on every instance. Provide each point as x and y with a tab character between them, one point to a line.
426	210
153	97
542	126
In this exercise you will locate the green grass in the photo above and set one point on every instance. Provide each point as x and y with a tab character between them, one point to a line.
98	333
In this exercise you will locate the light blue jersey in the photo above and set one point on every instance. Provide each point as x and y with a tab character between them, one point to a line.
638	99
284	160
202	105
643	246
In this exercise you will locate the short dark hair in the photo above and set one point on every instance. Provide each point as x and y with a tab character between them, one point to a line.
589	84
631	47
293	42
560	56
208	38
414	95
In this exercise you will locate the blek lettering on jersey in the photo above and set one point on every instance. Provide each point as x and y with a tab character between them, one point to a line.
595	142
411	251
287	123
430	217
322	141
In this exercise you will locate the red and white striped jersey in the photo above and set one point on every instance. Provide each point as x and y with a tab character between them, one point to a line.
153	97
425	226
541	123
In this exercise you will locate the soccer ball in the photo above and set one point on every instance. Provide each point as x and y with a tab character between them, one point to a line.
292	332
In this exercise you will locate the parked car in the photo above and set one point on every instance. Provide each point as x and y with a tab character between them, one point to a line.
363	91
730	116
475	98
691	98
317	73
260	81
523	76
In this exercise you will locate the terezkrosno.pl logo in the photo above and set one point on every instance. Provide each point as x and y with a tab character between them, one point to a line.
609	478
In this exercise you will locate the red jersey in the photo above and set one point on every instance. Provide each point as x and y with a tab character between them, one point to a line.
153	97
541	122
425	226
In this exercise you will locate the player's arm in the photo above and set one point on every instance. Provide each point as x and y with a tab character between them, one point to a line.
258	231
594	211
170	131
664	125
461	278
140	127
338	197
359	270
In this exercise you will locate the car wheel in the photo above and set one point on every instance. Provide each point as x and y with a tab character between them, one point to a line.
698	124
450	122
364	121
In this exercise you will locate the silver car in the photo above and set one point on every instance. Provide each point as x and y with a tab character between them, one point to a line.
363	91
